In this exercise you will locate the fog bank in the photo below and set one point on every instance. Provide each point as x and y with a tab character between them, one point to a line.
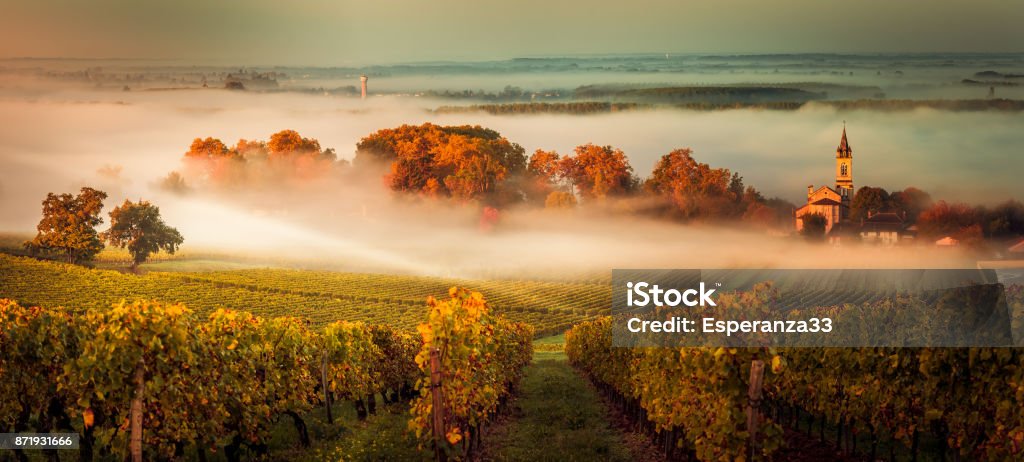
124	142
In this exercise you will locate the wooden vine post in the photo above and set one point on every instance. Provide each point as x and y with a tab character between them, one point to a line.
753	407
323	384
437	403
135	437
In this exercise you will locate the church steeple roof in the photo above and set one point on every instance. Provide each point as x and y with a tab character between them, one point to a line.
844	149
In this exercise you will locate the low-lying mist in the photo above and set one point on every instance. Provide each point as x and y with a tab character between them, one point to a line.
125	142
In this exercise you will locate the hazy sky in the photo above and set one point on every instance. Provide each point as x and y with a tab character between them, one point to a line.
345	32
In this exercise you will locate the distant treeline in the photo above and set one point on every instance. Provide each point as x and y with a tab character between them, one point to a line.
698	94
586	107
597	107
998	104
509	93
669	94
990	83
991	74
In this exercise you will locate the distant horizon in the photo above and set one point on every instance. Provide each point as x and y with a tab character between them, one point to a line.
222	62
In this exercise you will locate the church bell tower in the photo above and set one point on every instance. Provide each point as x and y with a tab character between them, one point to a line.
844	171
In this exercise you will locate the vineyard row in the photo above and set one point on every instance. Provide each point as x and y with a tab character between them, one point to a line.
151	380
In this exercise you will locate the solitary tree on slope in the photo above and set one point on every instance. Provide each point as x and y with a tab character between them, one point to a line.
138	226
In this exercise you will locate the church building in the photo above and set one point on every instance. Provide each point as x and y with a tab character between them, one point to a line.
832	203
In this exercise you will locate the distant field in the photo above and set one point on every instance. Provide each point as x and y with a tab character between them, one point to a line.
13	243
184	265
320	296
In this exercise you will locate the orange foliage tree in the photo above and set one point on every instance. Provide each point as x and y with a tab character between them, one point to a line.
598	171
691	190
462	162
289	142
543	175
696	189
286	156
958	220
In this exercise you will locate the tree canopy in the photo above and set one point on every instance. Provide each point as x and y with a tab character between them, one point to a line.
286	156
470	163
463	162
697	191
138	226
598	171
869	200
560	200
289	142
814	227
911	200
695	188
68	225
209	148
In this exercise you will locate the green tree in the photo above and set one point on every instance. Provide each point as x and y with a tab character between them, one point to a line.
869	199
814	227
69	225
138	227
1003	220
913	201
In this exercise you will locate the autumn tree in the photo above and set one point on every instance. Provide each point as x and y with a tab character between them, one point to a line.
254	150
461	162
291	156
139	227
287	142
467	167
208	148
945	219
68	226
697	190
598	171
544	164
543	175
286	156
761	215
972	224
210	159
560	200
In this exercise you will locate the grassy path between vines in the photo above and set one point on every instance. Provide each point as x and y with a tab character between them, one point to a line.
557	415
